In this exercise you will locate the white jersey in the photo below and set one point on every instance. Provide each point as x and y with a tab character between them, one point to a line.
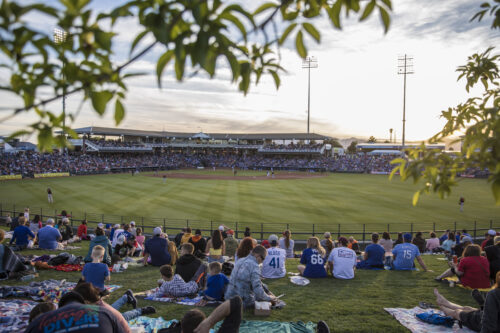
117	233
344	260
274	265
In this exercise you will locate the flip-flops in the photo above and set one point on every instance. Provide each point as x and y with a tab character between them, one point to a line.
425	305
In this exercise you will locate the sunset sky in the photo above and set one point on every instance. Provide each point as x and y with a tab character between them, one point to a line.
355	90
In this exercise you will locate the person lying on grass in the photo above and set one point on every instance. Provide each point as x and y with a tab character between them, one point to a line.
486	320
473	270
313	260
174	286
405	255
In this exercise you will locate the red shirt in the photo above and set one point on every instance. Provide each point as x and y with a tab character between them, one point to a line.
82	230
476	272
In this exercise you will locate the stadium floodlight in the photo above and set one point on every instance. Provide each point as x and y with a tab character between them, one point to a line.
61	37
308	63
405	66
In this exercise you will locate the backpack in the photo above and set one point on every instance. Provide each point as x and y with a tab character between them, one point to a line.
59	259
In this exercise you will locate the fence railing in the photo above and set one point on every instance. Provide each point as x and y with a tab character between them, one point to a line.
260	230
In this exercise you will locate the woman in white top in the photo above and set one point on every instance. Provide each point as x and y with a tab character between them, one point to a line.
386	243
432	243
287	244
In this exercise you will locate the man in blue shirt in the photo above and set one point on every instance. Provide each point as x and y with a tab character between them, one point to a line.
49	236
21	234
157	248
405	254
374	255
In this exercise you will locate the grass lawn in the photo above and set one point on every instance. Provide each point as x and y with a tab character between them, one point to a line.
347	306
345	200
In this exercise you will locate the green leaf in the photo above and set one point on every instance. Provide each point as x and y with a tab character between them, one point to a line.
312	31
287	31
264	7
162	62
137	40
334	14
276	77
368	10
386	20
230	17
104	39
416	196
100	99
179	67
299	45
119	112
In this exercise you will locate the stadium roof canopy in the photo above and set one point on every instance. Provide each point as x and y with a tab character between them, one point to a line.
396	146
216	136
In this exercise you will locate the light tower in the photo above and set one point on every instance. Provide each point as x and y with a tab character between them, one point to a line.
405	66
61	37
309	62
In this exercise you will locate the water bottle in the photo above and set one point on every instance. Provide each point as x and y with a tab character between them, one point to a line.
28	277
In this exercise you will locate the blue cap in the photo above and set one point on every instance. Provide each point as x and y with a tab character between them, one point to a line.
108	225
407	237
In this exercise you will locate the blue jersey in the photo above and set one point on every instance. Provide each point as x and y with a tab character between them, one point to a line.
315	263
376	254
405	255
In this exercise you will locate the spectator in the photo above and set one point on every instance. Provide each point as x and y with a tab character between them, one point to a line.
244	249
82	231
21	235
399	240
405	254
459	248
327	244
342	261
314	260
432	244
199	244
386	243
40	309
133	229
178	237
112	232
419	241
118	230
36	224
493	256
448	244
287	244
157	248
474	269
247	232
140	237
489	239
96	272
215	247
186	236
274	265
231	243
48	236
245	279
66	230
100	240
353	245
373	257
15	222
3	273
174	254
174	285
188	264
216	282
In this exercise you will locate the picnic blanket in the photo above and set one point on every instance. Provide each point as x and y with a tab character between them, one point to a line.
150	325
68	268
457	283
48	290
14	314
406	317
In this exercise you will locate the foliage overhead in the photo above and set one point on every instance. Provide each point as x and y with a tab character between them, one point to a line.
478	118
196	36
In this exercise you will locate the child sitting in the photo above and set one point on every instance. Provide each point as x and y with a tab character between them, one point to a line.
216	282
174	285
95	272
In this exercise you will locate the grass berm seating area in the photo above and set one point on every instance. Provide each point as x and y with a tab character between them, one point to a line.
346	306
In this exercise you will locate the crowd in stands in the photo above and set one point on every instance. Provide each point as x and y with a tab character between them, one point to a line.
293	147
114	143
75	163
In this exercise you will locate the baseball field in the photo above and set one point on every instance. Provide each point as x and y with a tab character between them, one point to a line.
251	198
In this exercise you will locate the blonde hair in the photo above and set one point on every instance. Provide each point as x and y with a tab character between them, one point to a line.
21	220
215	268
313	242
97	252
174	255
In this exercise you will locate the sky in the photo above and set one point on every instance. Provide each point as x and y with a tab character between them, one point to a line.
355	91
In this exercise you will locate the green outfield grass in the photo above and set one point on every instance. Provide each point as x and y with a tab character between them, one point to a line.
350	200
347	306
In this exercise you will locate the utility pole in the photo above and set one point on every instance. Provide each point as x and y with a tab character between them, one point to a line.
309	62
405	66
61	37
390	135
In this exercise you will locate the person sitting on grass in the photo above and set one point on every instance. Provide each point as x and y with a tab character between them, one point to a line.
66	229
188	264
486	320
432	244
314	260
174	254
49	236
493	256
96	272
40	309
174	286
246	246
21	235
186	236
140	237
274	265
449	243
353	245
3	273
419	241
231	243
327	243
157	248
287	244
373	257
342	261
216	282
489	239
103	241
405	255
199	243
460	247
82	231
216	247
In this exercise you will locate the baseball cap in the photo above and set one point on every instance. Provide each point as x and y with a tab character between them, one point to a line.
221	228
466	239
108	225
327	235
407	237
492	232
273	238
157	231
132	223
117	225
100	225
197	232
230	232
343	241
265	244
